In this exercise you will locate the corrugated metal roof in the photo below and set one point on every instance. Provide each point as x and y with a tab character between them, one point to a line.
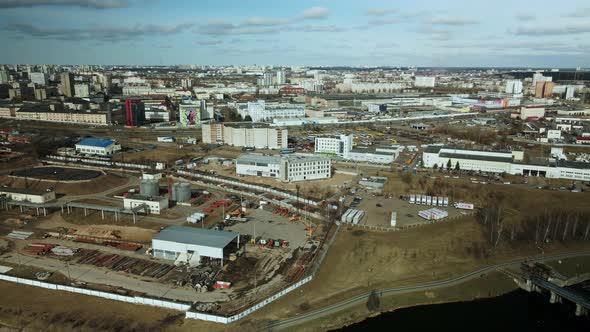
101	143
196	236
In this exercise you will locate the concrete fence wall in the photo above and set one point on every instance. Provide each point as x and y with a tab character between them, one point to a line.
111	296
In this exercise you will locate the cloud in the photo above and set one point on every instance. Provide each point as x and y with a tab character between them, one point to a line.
387	45
264	21
319	28
315	13
95	4
97	33
434	33
210	42
552	30
580	13
526	17
452	20
267	25
380	11
385	21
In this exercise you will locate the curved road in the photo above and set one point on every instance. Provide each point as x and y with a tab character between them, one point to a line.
345	304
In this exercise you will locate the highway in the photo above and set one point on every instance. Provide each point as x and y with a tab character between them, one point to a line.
362	298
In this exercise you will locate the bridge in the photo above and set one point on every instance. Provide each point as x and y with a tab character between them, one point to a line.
533	281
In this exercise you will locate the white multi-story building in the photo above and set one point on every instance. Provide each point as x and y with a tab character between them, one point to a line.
334	145
81	90
257	135
259	111
504	162
38	78
27	195
342	146
513	86
281	77
425	81
290	168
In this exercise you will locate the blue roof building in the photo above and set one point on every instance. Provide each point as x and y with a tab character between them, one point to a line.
95	146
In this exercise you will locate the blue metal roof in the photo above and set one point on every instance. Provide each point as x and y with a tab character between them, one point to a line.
101	143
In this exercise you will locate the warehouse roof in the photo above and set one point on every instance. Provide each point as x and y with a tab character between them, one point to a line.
196	236
475	157
258	159
101	143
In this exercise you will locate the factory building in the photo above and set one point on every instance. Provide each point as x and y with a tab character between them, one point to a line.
154	205
529	112
190	243
260	111
342	146
95	146
504	162
291	168
257	135
27	195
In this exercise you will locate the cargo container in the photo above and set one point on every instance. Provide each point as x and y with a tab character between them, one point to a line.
345	215
412	199
358	217
393	219
350	216
464	206
166	139
433	214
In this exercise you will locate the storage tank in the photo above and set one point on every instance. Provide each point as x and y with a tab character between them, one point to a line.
183	192
149	188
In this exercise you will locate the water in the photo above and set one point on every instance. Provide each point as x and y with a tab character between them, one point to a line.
515	311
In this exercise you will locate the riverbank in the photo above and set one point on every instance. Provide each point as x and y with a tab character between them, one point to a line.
488	286
517	310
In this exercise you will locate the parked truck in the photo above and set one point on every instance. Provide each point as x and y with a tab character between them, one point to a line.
424	200
412	199
446	200
428	200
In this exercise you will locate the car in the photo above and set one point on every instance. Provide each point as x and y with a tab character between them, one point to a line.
379	205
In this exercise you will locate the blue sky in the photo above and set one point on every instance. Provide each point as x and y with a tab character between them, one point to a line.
537	33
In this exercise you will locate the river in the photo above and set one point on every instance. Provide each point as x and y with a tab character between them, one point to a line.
516	311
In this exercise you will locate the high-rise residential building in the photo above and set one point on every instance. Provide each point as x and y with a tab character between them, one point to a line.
513	86
544	89
569	92
538	77
281	77
81	90
186	83
134	112
3	77
38	78
267	79
67	84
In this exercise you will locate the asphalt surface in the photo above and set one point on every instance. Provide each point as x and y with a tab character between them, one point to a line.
359	299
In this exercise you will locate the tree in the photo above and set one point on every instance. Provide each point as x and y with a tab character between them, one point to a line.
248	118
373	301
449	165
457	167
435	167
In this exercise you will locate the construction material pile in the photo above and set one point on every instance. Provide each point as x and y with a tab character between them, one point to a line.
125	264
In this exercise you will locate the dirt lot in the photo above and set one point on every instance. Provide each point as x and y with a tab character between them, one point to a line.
407	214
270	225
38	309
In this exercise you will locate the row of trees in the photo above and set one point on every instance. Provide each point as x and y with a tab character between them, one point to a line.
549	226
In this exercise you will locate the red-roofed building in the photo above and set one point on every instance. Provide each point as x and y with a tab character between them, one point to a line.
583	140
291	90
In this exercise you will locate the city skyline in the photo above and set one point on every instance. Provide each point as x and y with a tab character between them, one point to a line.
450	34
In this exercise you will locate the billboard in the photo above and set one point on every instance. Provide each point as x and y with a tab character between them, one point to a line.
190	115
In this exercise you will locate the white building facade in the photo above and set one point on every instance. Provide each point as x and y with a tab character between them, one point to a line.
260	136
155	205
290	168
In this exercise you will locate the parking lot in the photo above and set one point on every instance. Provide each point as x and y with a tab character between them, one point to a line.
378	210
268	225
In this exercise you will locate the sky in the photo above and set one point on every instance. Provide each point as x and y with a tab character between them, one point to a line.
451	33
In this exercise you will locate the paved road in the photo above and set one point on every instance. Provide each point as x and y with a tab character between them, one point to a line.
359	299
